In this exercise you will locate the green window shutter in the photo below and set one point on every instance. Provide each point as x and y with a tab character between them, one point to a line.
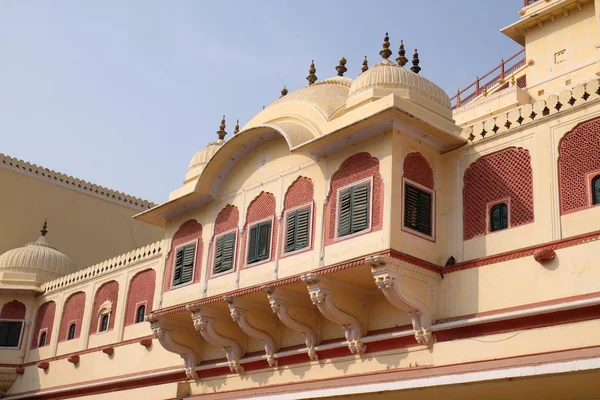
345	217
424	213
596	190
499	217
42	340
178	266
417	209
10	333
104	323
72	329
224	253
187	269
219	254
141	313
264	241
360	207
302	225
290	232
252	241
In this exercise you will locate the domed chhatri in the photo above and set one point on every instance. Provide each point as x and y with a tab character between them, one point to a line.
38	258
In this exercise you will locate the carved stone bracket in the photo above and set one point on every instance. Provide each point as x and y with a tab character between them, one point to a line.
163	333
280	306
409	288
205	320
322	295
241	316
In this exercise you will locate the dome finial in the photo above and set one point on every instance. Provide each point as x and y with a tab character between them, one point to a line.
415	61
365	65
284	91
342	67
44	229
312	78
401	60
237	127
221	132
458	100
386	52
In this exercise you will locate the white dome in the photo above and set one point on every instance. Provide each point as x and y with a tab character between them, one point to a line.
201	158
39	258
388	75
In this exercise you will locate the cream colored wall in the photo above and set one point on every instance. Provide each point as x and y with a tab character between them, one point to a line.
84	227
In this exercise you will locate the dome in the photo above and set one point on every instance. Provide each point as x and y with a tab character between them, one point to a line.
39	258
389	76
201	158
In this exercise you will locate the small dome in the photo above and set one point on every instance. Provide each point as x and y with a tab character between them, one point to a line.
39	258
201	158
390	76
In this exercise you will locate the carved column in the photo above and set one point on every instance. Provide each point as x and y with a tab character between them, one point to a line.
205	320
409	288
280	305
322	295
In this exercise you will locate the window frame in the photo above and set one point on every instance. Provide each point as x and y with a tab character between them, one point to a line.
337	237
39	338
100	323
310	206
191	281
22	321
488	215
406	229
69	324
249	226
137	307
590	189
213	252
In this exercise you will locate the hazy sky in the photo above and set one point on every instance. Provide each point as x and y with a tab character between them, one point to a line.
123	93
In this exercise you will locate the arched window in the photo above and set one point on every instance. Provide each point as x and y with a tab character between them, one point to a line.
596	190
499	217
141	313
42	342
71	334
104	323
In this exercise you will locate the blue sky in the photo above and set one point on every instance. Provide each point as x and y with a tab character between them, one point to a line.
123	93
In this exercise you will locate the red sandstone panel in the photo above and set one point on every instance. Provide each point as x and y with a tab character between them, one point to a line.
355	168
504	174
228	218
108	291
579	155
13	310
300	192
263	206
141	289
187	232
43	320
72	313
417	169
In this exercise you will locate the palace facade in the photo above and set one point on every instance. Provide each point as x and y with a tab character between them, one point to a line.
358	238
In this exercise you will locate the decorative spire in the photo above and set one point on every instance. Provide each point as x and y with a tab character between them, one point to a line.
458	100
312	78
284	91
512	80
415	61
44	229
401	60
221	132
386	52
485	93
342	67
365	65
237	127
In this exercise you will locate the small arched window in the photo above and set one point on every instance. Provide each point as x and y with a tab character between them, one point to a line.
141	313
71	334
104	323
596	190
499	217
42	339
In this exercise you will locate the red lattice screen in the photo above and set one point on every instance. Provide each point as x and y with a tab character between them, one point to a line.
505	174
417	169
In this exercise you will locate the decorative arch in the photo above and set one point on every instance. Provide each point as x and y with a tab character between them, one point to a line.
578	162
72	314
261	207
189	231
227	219
141	292
43	323
13	310
505	175
417	169
301	191
356	167
108	293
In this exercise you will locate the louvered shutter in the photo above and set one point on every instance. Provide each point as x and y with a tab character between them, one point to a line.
264	241
345	216
360	207
252	239
302	233
424	213
417	209
219	255
10	333
228	251
178	266
290	231
187	270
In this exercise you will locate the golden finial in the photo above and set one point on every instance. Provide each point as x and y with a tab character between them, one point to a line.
458	101
342	67
386	52
312	78
485	91
237	127
512	80
44	229
365	65
221	132
401	60
284	91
